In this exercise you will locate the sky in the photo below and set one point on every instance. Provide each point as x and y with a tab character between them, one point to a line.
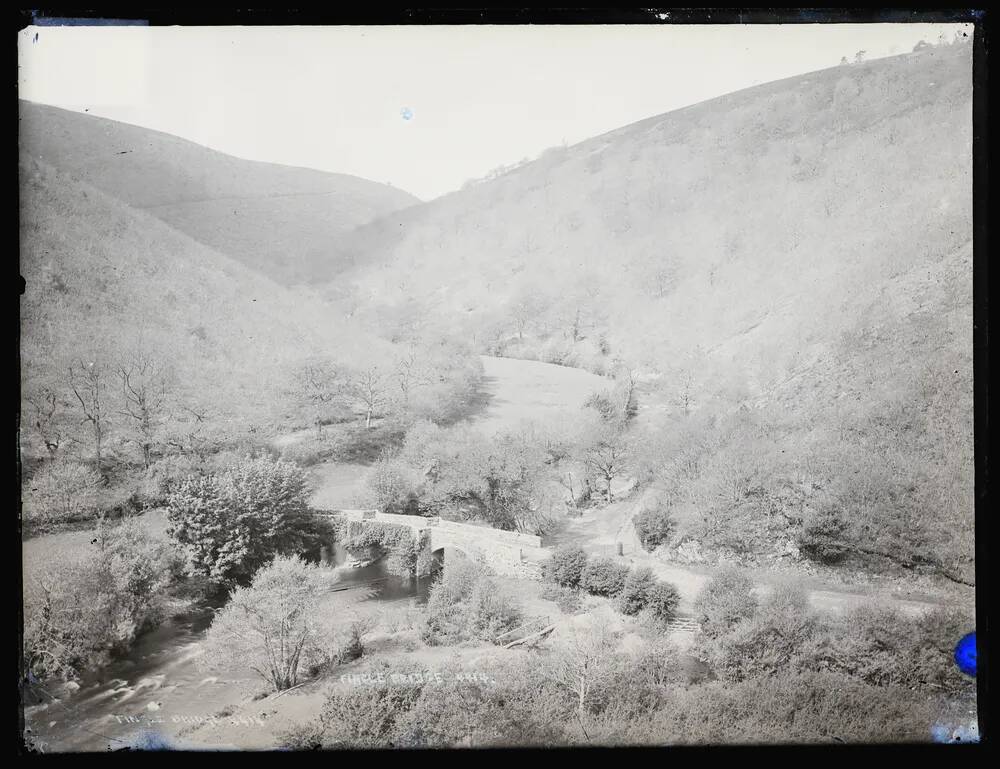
421	108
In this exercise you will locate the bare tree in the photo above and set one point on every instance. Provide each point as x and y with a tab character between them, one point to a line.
144	381
523	309
606	456
409	374
45	406
685	398
188	433
319	384
89	383
662	276
625	394
368	386
582	664
276	624
574	324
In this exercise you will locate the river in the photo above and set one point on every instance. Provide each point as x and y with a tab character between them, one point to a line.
162	683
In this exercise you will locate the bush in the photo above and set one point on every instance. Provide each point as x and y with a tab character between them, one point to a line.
390	485
481	712
166	475
566	566
662	601
307	736
558	352
822	538
604	576
790	708
79	614
883	647
726	600
636	592
466	604
354	648
780	638
566	598
60	491
309	451
366	715
653	527
232	522
603	403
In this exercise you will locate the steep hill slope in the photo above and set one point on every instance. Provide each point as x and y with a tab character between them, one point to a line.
799	252
277	219
744	226
102	278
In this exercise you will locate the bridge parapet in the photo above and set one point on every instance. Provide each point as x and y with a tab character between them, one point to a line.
413	521
509	537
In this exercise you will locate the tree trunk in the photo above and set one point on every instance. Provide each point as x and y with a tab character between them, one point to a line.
368	419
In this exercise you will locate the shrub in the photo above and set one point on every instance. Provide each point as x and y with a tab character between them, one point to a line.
653	527
662	601
165	475
566	566
566	598
466	604
80	613
309	451
883	647
60	491
604	576
726	600
390	485
790	708
306	736
232	522
480	712
778	639
635	593
822	538
366	715
603	403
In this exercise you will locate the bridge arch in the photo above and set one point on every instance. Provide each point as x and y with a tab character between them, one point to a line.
442	554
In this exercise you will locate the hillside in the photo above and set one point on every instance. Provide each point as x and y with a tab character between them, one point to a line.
276	219
799	251
102	278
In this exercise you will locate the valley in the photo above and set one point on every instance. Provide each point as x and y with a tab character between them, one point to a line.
718	362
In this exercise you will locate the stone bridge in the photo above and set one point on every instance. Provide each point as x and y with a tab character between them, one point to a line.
505	552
